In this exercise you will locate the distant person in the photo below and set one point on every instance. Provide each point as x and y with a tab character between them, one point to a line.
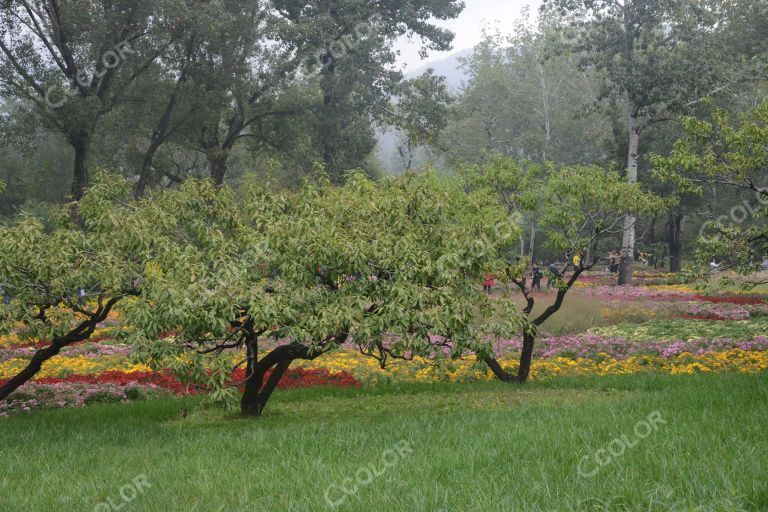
577	260
81	296
614	263
536	278
488	283
553	275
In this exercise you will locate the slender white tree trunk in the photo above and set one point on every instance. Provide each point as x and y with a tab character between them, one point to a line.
532	247
628	243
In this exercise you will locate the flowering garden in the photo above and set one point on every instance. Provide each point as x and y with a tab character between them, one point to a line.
674	330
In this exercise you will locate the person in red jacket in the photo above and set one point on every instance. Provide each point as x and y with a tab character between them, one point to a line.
488	283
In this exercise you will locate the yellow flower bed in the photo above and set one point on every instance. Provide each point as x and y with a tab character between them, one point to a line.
13	340
368	371
679	288
62	366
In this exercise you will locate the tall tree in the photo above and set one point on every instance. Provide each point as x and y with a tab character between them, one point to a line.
522	101
75	60
657	57
734	155
350	46
420	114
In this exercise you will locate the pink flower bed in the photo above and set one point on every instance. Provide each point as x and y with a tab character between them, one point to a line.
712	311
632	293
91	349
42	395
591	345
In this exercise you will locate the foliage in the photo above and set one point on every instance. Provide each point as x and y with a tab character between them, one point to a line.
719	152
43	270
522	101
576	205
421	114
392	266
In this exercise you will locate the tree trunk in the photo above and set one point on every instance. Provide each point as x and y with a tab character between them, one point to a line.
327	138
146	166
80	333
529	335
256	392
34	365
159	136
675	240
525	357
249	402
217	162
80	176
628	242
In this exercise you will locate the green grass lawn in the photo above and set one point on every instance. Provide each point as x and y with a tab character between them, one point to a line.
481	447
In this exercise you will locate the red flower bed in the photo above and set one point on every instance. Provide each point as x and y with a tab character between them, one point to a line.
293	378
733	299
302	378
120	378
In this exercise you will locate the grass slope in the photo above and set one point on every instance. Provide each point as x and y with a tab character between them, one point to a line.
482	447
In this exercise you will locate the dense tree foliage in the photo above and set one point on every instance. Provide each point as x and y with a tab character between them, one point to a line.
734	155
170	89
208	280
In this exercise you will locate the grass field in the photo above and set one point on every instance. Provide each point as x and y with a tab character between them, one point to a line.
421	447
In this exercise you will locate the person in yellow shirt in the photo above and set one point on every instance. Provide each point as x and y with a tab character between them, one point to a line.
577	260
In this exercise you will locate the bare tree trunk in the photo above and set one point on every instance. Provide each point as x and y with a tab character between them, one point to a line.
628	242
29	371
257	392
80	176
328	140
675	240
159	136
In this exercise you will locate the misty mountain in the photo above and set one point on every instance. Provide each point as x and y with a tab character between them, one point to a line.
450	68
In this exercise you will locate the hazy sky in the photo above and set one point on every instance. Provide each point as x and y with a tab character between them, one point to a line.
468	27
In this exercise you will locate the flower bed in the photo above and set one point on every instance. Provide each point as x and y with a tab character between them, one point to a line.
47	395
307	378
709	334
681	329
731	299
469	370
597	346
119	386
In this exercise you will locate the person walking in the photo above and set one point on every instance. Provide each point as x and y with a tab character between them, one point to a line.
536	277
